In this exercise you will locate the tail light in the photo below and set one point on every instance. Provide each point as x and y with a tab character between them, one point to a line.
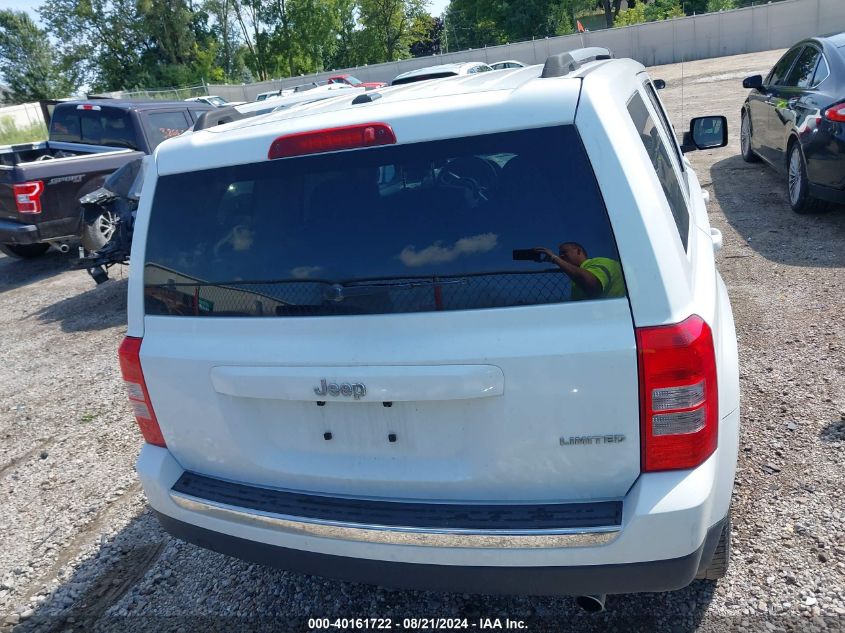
679	401
836	113
136	389
28	196
332	140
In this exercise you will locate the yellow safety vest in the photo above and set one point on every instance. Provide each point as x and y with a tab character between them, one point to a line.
608	272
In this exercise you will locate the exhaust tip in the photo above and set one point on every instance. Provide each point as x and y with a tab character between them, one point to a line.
592	603
63	248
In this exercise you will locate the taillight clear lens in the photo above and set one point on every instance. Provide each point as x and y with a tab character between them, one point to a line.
136	388
679	400
332	140
678	397
28	196
836	113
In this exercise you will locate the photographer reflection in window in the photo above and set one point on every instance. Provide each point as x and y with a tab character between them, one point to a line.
592	277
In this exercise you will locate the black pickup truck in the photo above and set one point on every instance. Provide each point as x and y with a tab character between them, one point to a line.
41	183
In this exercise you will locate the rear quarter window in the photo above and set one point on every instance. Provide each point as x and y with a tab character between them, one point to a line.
165	125
435	226
660	156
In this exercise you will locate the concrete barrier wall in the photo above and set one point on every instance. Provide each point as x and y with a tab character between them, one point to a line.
759	28
23	115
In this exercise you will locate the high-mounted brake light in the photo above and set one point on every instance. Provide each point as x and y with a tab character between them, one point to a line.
332	140
679	401
136	389
28	196
88	106
836	113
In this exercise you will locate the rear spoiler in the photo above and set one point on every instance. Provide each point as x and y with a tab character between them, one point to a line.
212	118
562	64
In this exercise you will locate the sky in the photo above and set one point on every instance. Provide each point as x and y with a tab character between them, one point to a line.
436	7
27	5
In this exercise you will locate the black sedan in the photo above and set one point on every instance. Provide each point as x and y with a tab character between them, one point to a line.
794	119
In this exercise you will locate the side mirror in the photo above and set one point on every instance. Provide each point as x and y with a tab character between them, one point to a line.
706	132
755	81
660	84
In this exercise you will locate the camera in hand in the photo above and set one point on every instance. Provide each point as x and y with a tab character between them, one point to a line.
529	254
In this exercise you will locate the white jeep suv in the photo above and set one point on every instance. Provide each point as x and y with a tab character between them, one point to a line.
465	335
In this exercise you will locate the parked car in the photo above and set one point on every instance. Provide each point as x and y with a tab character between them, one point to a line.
438	72
292	98
510	63
794	120
214	100
117	200
437	402
265	95
41	183
355	82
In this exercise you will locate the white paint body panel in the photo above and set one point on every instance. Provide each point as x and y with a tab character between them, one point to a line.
553	369
235	400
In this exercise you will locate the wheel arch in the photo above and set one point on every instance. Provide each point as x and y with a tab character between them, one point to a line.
790	142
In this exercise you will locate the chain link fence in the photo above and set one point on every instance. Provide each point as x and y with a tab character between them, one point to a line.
165	94
316	298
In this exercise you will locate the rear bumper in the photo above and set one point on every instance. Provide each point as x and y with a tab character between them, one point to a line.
12	232
828	193
661	575
669	525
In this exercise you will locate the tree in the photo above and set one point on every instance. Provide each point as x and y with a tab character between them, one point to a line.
634	15
475	23
389	24
254	18
31	66
316	25
348	50
105	35
428	33
663	10
720	5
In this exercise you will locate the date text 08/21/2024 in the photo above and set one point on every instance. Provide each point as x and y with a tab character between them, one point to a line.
412	624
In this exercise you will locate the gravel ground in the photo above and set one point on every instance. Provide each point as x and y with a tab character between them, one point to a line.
81	552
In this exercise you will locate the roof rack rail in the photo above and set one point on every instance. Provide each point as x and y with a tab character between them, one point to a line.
564	63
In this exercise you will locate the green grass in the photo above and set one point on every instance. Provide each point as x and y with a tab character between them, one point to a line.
11	134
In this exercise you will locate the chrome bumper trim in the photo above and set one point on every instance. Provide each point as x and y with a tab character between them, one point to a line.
393	535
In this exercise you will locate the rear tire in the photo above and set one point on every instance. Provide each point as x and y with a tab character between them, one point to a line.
748	154
718	566
98	233
797	184
24	251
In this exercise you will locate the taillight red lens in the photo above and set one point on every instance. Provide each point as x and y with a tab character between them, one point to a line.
679	400
136	389
28	196
332	140
836	113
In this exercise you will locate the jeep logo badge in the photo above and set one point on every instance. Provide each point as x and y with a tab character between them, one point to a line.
357	390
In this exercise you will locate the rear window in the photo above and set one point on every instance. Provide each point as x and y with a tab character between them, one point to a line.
445	225
106	126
